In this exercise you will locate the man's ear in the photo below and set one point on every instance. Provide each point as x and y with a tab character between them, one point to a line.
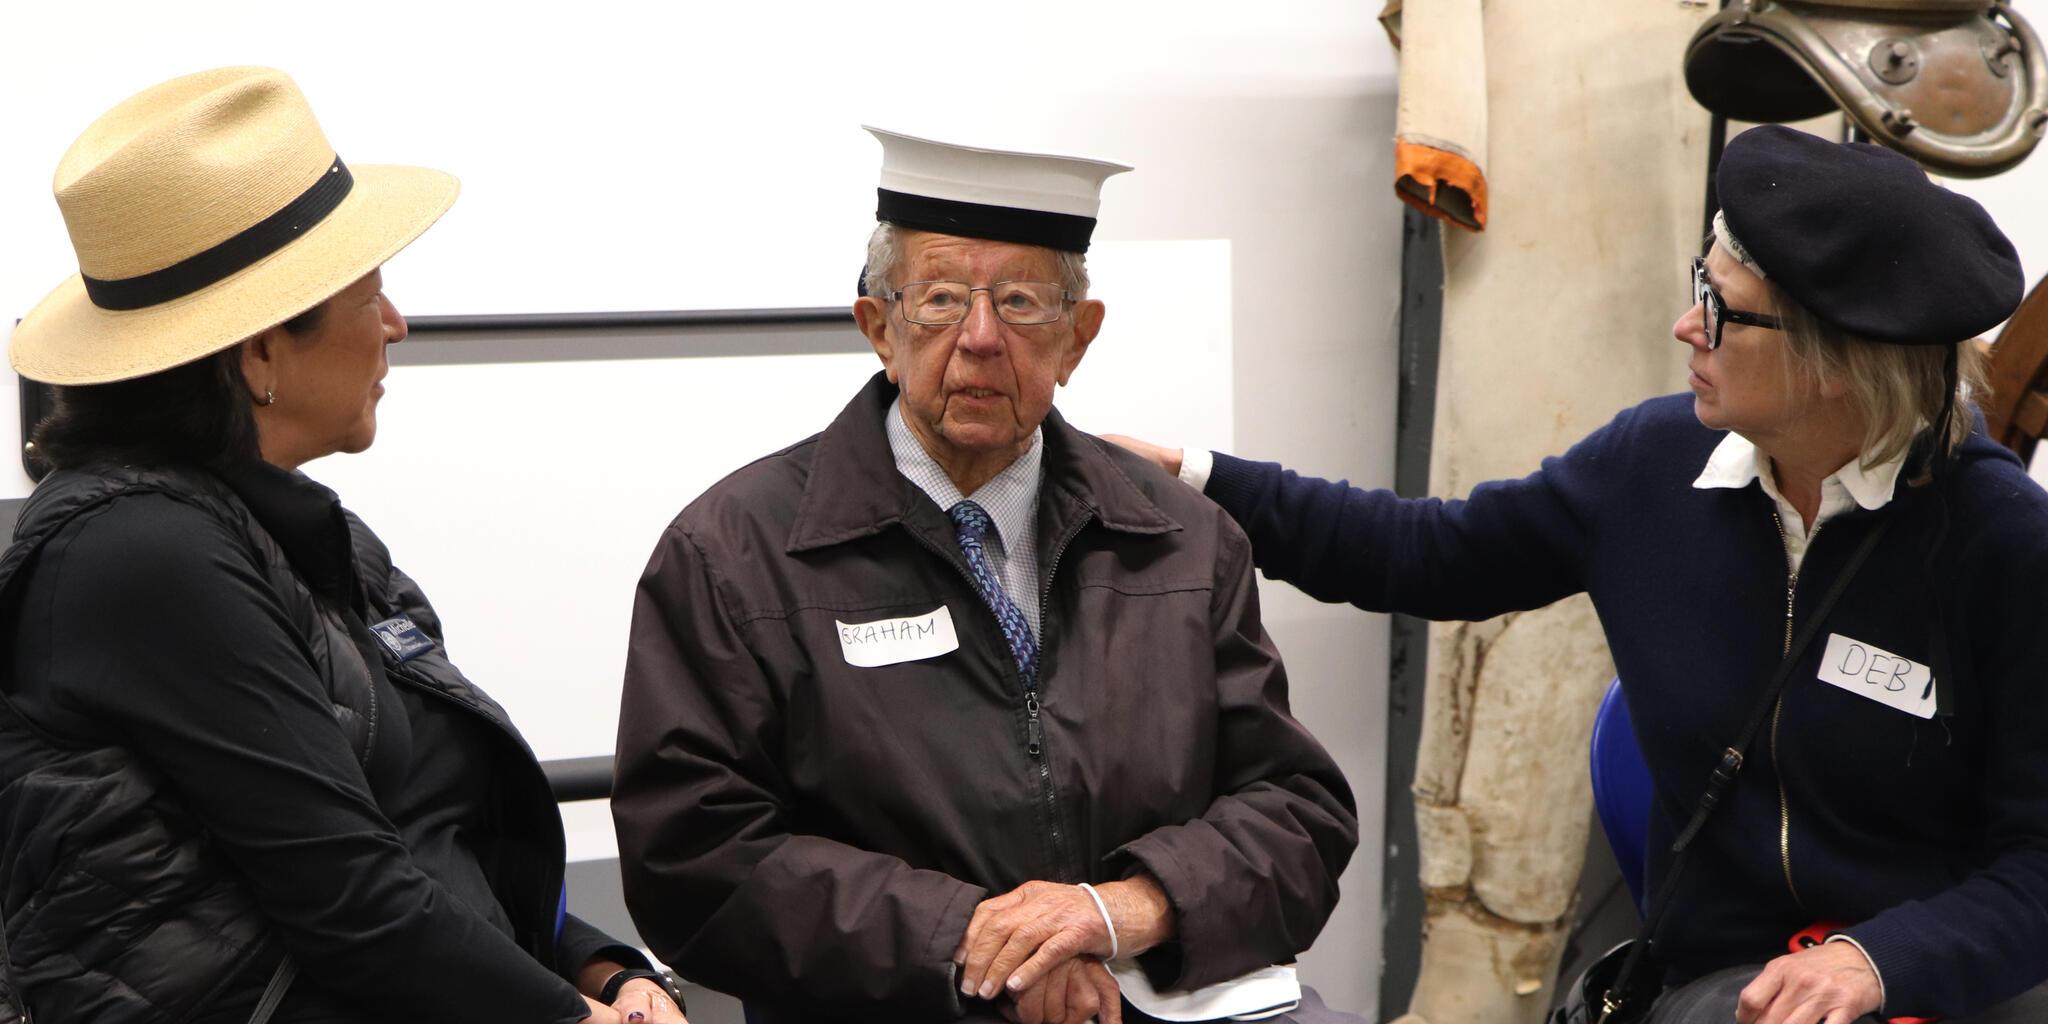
871	315
1088	315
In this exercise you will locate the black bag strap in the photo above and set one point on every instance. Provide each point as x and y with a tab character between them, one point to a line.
1731	765
13	1003
273	993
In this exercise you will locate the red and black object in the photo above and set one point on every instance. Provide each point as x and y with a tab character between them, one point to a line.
1816	933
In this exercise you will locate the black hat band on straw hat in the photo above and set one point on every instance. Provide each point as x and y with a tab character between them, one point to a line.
224	260
1065	231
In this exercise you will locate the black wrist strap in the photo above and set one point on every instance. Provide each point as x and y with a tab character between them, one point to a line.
609	994
1732	759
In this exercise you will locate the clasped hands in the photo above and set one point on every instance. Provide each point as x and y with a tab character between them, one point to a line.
639	1001
1041	946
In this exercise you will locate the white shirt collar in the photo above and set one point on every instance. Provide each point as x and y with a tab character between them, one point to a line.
1010	498
1735	462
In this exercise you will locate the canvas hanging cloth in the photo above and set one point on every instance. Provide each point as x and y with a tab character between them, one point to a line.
1593	188
1440	130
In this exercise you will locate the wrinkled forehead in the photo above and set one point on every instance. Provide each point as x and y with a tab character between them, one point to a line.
1729	277
929	256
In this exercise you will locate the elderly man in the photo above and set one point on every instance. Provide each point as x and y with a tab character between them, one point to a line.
953	709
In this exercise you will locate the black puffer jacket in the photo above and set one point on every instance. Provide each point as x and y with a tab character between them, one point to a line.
127	898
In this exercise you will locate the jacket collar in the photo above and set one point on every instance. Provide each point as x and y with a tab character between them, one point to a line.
306	521
303	518
854	490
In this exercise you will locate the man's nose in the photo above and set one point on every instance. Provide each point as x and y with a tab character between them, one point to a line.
982	332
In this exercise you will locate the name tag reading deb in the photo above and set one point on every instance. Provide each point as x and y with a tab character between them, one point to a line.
402	638
896	640
1868	670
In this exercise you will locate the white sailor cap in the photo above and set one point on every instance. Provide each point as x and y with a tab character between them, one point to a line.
1029	198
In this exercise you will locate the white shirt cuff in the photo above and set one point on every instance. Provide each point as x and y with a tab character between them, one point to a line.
1866	959
1195	464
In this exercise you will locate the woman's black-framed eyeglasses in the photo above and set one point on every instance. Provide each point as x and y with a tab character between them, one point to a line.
1716	312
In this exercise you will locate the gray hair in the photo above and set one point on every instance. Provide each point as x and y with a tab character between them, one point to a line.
884	250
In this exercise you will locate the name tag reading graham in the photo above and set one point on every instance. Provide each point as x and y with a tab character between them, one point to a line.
1871	671
897	640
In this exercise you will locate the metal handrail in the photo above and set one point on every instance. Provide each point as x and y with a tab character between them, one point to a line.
579	778
38	399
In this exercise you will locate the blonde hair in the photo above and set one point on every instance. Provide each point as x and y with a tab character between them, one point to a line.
1896	388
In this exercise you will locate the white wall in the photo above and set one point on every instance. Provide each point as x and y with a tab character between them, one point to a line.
707	156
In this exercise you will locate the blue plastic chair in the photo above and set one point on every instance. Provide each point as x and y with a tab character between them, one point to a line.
1621	790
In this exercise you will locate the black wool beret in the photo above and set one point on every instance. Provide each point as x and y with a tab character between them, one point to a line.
1858	235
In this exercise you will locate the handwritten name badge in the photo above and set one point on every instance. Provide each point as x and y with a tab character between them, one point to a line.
897	640
1871	671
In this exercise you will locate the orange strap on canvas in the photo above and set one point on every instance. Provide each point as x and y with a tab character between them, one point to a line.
1440	183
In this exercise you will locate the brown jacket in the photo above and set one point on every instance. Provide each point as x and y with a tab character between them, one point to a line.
813	836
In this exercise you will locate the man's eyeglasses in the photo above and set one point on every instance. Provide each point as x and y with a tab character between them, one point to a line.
943	303
1716	312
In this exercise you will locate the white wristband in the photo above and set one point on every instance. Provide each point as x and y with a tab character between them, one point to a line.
1106	922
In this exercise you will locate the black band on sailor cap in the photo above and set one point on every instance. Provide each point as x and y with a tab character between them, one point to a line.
1064	231
237	253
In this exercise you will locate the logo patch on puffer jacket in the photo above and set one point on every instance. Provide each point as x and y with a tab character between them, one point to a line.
402	638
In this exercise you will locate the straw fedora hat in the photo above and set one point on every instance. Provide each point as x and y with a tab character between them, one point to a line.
203	211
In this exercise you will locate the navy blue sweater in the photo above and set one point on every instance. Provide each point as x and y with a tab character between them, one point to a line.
1931	836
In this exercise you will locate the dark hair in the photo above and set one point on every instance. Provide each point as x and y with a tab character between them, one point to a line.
198	414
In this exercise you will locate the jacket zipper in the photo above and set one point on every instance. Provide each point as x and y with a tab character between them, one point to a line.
1778	710
1034	729
1037	744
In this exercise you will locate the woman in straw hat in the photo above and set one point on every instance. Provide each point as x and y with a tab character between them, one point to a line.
242	779
1821	588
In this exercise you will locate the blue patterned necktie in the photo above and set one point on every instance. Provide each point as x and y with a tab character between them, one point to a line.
972	523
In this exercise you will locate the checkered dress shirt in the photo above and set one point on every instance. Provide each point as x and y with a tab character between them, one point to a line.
1011	500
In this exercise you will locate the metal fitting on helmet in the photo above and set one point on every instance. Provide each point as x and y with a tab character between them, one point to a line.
1961	86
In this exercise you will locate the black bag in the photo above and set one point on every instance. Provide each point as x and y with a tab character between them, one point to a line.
1588	996
1620	987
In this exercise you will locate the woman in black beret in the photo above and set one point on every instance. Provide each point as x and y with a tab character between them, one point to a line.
1820	586
240	778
